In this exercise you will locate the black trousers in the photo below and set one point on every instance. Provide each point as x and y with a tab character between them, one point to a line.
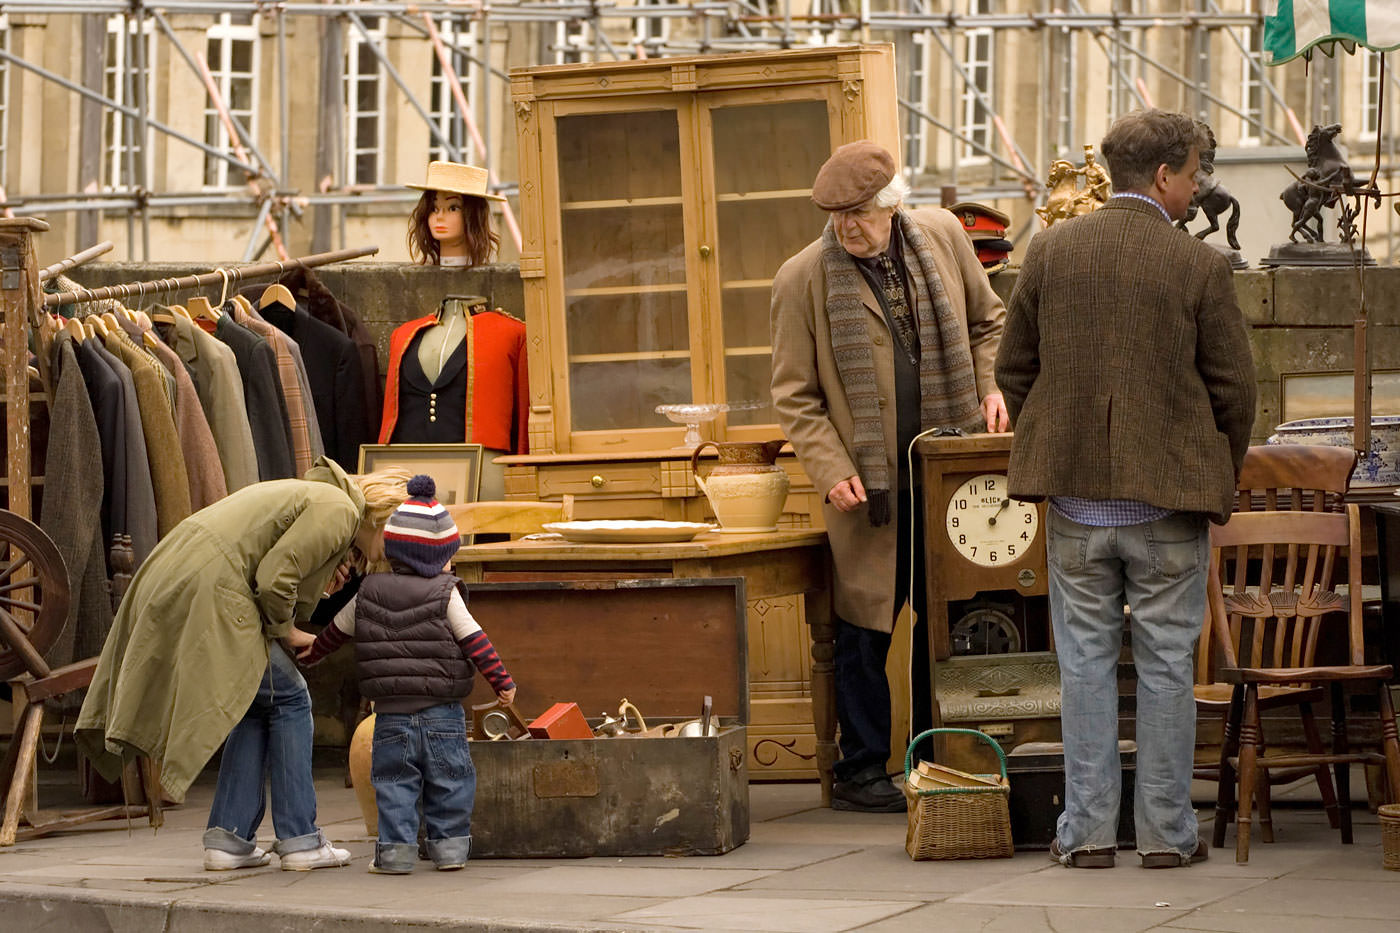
862	689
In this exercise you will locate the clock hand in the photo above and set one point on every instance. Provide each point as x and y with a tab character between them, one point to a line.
1005	504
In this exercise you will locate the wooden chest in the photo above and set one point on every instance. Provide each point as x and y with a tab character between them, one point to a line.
664	645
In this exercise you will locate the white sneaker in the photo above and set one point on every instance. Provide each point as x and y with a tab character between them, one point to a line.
219	860
328	856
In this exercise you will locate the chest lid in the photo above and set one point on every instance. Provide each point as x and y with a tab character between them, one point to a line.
664	644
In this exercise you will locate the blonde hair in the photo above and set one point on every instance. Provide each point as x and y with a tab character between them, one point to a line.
384	491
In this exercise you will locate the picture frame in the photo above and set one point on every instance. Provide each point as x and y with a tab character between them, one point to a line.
455	468
1330	394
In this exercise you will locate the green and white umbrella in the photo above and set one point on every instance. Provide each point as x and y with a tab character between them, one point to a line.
1301	27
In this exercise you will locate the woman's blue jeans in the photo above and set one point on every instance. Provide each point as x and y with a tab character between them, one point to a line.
1159	570
423	754
272	742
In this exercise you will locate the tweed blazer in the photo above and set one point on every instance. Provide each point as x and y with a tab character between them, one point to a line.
202	467
139	504
1126	365
816	417
262	394
167	461
220	389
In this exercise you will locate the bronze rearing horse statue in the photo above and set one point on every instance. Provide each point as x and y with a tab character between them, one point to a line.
1326	183
1212	199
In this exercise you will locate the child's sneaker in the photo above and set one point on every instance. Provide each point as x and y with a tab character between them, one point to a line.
219	860
328	856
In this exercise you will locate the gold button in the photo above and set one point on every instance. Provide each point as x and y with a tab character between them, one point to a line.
883	401
879	341
432	417
432	395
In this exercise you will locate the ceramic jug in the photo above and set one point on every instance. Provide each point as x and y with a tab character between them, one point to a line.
746	488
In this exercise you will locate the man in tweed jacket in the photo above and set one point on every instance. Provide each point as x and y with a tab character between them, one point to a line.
1127	372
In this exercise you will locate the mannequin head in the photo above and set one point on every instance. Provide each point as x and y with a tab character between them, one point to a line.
452	220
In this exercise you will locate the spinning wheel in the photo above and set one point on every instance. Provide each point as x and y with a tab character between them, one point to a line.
34	596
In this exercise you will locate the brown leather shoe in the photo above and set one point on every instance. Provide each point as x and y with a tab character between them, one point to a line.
1097	857
1176	859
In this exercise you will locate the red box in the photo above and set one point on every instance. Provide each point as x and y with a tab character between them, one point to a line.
561	721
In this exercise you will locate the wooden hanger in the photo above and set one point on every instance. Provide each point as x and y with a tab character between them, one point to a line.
110	320
199	307
243	303
75	327
149	339
181	311
98	325
163	315
279	293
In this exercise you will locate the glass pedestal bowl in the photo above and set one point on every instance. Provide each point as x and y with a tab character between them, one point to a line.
692	415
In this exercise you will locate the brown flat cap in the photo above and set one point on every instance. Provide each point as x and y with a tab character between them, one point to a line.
854	174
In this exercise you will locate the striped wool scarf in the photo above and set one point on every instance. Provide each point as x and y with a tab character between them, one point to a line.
947	385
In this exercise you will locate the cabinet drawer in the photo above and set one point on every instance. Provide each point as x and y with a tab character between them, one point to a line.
622	479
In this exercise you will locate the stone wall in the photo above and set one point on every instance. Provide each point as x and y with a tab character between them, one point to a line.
1301	319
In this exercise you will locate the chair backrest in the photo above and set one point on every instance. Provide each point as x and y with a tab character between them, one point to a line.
509	516
1289	479
1270	586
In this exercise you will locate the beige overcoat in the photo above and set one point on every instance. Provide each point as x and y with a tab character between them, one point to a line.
815	416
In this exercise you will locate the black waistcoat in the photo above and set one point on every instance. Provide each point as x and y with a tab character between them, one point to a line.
432	411
405	654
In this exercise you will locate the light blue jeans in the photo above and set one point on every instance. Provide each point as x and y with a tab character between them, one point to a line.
272	742
423	756
1159	570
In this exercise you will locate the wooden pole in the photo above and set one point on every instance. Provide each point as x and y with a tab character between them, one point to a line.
19	294
185	282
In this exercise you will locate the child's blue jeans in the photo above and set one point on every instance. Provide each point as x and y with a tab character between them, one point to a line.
423	754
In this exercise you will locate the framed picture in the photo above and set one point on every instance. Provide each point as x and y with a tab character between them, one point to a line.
1330	394
455	468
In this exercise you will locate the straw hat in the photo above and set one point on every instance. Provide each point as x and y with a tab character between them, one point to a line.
458	179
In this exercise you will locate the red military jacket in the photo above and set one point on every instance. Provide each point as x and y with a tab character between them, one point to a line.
498	385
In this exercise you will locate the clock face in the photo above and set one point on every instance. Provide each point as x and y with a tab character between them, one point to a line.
985	526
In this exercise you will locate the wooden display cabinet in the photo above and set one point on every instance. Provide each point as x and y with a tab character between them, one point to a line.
658	199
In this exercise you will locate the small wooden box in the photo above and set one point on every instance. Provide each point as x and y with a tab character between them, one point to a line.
664	644
561	721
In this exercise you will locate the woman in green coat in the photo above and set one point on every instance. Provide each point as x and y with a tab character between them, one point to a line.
196	654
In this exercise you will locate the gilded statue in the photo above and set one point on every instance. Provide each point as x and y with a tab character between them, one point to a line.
1066	198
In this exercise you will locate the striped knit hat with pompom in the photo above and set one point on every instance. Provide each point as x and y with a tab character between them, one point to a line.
421	534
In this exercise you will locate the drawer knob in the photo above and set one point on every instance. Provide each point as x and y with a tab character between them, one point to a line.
597	481
705	252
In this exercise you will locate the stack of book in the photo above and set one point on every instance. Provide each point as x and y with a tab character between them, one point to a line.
930	776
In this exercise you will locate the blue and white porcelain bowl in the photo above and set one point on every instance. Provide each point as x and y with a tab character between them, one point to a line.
1380	466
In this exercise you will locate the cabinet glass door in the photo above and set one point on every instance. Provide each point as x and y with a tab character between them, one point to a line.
622	222
764	154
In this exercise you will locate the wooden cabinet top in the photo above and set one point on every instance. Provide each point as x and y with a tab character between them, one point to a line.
694	73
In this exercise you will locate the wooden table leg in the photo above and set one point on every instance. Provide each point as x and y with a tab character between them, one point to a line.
823	631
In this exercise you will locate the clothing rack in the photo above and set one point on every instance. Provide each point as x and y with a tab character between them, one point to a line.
77	259
221	276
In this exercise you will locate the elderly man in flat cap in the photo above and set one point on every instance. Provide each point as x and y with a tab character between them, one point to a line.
882	328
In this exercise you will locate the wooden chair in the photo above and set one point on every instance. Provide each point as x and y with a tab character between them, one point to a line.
1269	595
1291	477
509	516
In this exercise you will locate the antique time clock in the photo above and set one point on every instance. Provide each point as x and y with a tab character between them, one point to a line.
984	553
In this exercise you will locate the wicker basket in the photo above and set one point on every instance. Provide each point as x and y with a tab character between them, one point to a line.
958	822
1390	835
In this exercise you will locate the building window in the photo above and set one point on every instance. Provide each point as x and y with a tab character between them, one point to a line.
573	42
1371	96
1252	82
4	96
456	33
916	127
120	150
1065	139
364	104
1127	66
651	32
977	63
231	49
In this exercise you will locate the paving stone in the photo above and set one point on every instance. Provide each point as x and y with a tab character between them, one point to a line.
638	882
1127	885
879	869
985	919
1375	898
777	914
1240	921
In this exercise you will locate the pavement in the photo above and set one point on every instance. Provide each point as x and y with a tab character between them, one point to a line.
805	869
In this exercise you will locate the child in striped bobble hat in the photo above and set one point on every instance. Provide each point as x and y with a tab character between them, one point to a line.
415	648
